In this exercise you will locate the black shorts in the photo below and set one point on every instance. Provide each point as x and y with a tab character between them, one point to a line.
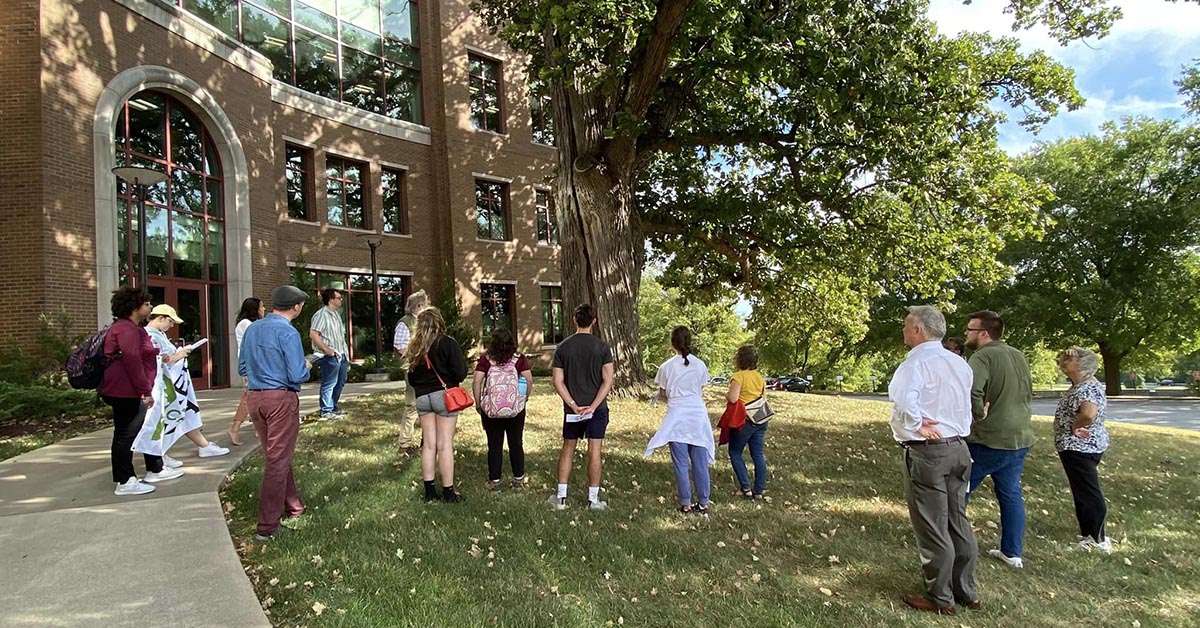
592	428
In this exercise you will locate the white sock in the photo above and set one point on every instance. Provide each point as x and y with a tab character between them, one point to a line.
562	491
593	493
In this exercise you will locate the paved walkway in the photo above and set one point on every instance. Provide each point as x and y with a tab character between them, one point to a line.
68	545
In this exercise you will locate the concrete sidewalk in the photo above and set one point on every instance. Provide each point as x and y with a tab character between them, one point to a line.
67	543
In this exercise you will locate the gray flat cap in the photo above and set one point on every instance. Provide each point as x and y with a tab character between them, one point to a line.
284	297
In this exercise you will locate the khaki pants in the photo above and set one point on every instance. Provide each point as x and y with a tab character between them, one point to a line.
408	419
936	479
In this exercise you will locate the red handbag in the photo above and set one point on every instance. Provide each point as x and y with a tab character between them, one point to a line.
457	398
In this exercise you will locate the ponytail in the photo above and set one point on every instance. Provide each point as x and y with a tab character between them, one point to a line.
681	340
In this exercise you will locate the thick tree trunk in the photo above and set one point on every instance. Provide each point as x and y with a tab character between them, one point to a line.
1112	372
600	234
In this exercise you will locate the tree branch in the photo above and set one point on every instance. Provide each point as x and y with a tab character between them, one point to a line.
650	56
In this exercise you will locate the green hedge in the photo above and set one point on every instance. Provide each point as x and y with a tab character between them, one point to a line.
41	402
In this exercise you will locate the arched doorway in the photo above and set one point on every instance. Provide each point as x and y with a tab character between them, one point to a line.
185	223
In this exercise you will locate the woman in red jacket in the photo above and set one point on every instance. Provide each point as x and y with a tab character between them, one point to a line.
128	381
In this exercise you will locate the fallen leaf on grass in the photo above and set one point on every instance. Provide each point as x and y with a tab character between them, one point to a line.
319	608
826	591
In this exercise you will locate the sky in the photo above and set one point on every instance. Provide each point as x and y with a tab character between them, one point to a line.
1131	72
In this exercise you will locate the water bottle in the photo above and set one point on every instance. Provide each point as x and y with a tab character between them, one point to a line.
522	386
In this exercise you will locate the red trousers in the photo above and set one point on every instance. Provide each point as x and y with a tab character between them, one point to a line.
276	417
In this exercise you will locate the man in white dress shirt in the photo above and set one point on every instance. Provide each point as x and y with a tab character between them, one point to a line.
931	418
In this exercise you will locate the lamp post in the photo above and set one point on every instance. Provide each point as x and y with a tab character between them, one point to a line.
141	179
373	241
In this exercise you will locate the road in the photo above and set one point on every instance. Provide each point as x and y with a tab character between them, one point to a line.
1164	412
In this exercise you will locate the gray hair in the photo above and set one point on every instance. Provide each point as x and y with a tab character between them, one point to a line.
1086	358
416	301
930	320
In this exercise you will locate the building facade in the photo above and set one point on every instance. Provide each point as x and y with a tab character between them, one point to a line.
290	132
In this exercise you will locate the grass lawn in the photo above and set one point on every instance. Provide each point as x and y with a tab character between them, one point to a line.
832	547
18	437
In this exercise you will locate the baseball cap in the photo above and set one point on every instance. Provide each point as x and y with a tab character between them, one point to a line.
162	309
284	297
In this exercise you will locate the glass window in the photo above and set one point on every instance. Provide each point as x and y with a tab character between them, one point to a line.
542	119
268	34
147	114
547	225
491	209
362	83
216	250
403	95
219	376
400	20
497	307
219	13
214	197
316	64
187	141
553	326
187	245
485	94
344	192
298	175
187	190
395	195
309	42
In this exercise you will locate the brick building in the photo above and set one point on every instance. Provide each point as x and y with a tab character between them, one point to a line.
288	130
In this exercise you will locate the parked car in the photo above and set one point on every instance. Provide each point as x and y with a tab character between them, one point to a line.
718	380
1167	382
773	383
795	384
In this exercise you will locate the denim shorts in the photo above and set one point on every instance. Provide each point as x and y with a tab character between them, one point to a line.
434	402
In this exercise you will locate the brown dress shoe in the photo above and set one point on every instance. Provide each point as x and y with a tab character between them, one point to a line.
973	604
922	603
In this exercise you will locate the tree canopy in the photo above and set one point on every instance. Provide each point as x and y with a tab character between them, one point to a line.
1117	266
809	155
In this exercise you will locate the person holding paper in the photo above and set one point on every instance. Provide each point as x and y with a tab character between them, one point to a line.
162	318
583	377
686	429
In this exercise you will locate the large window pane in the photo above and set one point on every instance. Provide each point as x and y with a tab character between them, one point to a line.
541	119
216	331
123	241
187	139
355	217
269	35
316	64
362	13
400	20
333	198
156	240
187	191
187	245
298	169
282	7
394	214
322	22
497	307
216	250
362	82
212	159
219	13
491	210
148	124
361	39
214	198
485	94
403	93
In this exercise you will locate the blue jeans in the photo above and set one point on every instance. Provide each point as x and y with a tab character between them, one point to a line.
1005	466
334	370
752	435
681	455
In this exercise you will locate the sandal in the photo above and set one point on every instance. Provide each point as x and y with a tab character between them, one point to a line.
744	494
701	510
685	509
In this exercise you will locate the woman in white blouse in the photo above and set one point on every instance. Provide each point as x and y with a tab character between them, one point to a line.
686	428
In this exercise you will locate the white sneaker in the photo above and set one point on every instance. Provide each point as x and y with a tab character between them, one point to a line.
133	486
166	474
558	503
1089	544
597	505
1011	561
171	462
212	450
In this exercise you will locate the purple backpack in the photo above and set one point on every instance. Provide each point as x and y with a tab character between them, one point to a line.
86	364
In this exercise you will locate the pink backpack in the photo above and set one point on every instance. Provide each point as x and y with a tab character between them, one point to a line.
501	399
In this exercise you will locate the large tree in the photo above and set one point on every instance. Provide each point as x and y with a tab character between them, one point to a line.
1117	266
769	146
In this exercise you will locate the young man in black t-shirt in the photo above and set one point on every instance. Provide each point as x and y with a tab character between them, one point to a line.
583	377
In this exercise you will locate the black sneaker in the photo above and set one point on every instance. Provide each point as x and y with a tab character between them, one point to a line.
452	497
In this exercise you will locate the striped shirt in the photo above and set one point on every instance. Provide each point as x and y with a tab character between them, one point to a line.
333	331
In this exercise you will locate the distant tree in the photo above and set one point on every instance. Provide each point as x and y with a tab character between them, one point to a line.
1118	265
716	331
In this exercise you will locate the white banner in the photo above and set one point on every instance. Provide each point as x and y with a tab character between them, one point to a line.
174	413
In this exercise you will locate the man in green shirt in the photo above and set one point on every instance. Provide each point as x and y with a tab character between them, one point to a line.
1002	430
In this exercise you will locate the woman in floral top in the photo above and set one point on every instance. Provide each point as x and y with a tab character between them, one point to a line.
1081	439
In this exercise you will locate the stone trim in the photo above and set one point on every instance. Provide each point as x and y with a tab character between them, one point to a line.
342	113
346	269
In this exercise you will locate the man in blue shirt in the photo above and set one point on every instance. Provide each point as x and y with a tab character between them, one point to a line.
272	361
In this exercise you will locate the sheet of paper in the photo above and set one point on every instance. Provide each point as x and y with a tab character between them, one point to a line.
196	345
577	418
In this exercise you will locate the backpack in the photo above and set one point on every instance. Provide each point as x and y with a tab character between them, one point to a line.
500	397
86	364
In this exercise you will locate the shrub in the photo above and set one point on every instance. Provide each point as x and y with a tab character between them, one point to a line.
42	402
450	306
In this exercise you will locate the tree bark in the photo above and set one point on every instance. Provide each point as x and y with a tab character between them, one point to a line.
1112	371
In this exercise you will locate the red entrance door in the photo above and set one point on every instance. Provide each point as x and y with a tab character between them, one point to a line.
190	300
